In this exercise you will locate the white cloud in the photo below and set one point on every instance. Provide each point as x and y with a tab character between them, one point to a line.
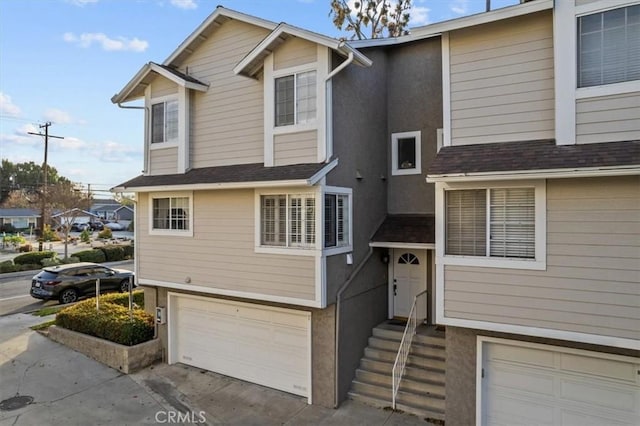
57	116
459	7
110	44
419	15
81	3
7	106
69	143
184	4
114	152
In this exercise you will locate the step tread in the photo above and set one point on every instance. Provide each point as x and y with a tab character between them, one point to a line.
374	400
405	378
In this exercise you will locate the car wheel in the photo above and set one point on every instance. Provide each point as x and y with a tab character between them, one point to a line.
124	286
68	295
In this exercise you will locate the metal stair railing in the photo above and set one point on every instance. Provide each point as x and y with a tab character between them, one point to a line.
405	347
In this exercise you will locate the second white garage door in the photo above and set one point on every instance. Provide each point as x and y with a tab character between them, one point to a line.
527	384
260	344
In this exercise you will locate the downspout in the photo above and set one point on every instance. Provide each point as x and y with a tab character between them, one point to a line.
327	108
341	290
148	112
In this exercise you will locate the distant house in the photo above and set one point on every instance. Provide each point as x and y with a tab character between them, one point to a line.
73	215
19	218
123	213
105	208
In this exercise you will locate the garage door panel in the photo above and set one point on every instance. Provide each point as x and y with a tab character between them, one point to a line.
254	343
608	368
561	387
594	393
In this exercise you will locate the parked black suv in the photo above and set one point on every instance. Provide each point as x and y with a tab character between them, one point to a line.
69	282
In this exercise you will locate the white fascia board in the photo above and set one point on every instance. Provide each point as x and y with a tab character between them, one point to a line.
398	245
177	79
122	95
481	18
220	11
320	39
211	186
322	172
537	174
231	293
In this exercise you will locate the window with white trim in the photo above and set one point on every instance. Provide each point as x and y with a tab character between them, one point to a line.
171	214
495	222
295	99
406	153
164	121
287	220
336	220
609	47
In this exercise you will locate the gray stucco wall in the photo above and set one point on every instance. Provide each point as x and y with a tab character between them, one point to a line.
414	102
460	377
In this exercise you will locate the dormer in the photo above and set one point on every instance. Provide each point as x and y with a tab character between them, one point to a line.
166	94
296	69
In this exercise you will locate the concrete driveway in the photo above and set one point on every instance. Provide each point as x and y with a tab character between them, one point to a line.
70	389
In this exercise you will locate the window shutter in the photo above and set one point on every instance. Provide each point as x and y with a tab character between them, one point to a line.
466	222
512	222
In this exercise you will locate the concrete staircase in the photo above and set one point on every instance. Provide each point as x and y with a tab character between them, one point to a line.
422	387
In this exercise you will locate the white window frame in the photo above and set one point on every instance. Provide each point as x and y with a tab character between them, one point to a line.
163	100
537	263
296	127
623	85
348	246
288	249
171	232
395	137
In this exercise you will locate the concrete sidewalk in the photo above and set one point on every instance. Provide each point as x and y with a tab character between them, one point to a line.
70	389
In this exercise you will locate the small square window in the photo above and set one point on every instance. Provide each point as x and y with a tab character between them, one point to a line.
164	121
405	153
295	99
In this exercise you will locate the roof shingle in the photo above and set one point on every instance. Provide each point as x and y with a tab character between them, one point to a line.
417	229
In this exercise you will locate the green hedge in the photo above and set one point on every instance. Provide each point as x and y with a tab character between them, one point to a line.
96	256
122	299
112	253
111	323
33	257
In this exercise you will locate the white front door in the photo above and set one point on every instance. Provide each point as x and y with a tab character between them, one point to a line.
409	279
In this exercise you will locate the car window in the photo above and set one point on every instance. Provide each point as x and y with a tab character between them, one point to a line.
48	275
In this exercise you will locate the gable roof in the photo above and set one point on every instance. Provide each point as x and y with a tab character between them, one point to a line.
234	176
64	213
252	63
136	86
204	30
533	158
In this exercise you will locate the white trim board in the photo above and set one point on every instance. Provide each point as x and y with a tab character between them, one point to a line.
536	174
232	293
416	246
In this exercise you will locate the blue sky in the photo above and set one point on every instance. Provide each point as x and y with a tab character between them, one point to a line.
62	60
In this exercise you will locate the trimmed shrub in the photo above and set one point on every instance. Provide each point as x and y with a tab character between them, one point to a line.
25	248
112	253
53	261
85	236
128	251
34	257
71	259
111	322
8	266
122	299
94	255
105	234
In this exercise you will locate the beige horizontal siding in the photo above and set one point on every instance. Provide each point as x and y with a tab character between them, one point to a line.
163	161
295	148
221	254
229	115
592	281
294	52
502	81
608	118
161	86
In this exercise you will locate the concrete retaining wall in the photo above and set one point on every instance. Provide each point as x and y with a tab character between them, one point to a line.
126	359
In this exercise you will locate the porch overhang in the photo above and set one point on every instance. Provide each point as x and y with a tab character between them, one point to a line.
406	232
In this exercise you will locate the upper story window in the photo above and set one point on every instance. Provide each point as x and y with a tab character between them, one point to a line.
336	220
508	214
287	220
171	214
405	153
164	121
295	99
609	47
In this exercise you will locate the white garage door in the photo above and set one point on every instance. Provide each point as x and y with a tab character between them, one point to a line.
263	345
541	385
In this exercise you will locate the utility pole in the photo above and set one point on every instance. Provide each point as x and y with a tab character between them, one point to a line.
45	169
